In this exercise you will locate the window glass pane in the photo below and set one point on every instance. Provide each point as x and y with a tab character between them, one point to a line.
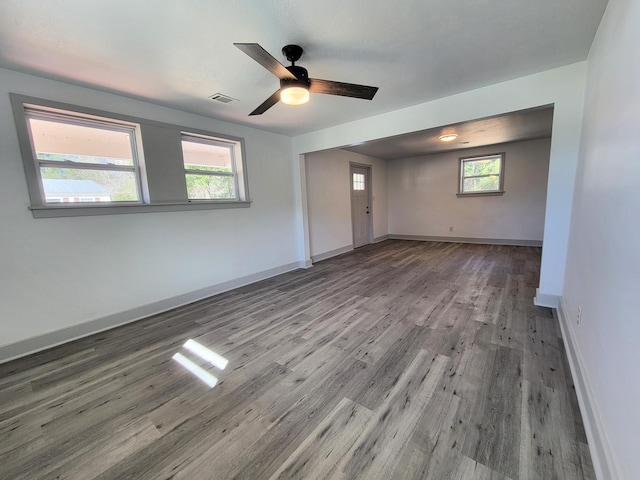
84	185
58	141
481	184
482	167
358	181
206	156
209	187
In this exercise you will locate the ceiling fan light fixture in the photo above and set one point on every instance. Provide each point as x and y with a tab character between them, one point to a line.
295	84
294	94
449	137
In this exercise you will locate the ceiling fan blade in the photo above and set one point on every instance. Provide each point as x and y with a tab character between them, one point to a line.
344	89
267	104
265	59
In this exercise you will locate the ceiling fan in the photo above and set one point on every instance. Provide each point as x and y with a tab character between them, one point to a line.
295	83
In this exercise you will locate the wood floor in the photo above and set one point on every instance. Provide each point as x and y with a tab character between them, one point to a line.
401	360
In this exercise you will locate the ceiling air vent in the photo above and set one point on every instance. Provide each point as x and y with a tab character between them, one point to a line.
219	97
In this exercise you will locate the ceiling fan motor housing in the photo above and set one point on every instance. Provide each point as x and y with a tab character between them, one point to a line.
292	52
301	74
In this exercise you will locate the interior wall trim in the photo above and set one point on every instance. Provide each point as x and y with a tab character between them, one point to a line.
599	444
341	250
382	238
546	299
484	241
331	253
38	343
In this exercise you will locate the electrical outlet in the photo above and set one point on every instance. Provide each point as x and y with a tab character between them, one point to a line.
451	229
579	316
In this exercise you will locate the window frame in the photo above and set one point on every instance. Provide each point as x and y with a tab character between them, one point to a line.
71	118
476	193
220	142
162	180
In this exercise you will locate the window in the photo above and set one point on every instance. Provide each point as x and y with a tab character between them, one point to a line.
358	181
481	175
83	159
210	167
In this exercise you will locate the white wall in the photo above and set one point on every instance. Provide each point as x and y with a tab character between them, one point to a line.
603	267
329	201
60	272
423	201
563	87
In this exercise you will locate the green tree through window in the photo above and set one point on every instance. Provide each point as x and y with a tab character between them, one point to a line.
481	174
209	167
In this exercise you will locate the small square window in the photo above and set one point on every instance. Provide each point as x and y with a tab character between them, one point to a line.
481	174
358	181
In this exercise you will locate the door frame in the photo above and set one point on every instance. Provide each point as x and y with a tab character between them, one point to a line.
369	189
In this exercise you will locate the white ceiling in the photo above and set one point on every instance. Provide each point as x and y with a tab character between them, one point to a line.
179	53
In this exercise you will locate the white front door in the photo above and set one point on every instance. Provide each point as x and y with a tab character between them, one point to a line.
360	203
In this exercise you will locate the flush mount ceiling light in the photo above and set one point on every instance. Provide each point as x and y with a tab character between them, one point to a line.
449	137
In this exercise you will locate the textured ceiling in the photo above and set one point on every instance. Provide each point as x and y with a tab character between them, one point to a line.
179	53
511	127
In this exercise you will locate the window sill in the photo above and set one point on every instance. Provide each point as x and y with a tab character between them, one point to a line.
480	194
51	211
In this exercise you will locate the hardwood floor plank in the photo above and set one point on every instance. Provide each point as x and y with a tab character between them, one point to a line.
467	370
15	434
375	454
305	410
98	456
219	457
471	470
433	449
546	450
319	454
542	353
399	360
202	428
493	440
373	390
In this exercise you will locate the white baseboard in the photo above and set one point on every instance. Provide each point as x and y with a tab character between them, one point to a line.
484	241
546	299
599	445
51	339
331	253
381	238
